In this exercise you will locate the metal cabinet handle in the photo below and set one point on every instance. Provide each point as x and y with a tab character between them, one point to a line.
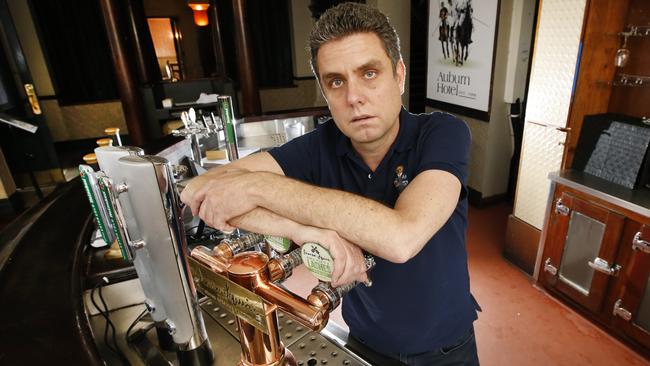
561	208
640	244
621	311
602	266
549	267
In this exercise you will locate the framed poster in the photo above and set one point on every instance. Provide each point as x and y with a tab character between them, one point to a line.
460	55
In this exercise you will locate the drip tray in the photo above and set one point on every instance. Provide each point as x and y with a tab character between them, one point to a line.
314	349
309	348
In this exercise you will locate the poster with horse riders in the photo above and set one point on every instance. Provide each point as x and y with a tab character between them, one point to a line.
461	40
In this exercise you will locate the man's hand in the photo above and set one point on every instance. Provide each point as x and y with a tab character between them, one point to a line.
216	197
349	262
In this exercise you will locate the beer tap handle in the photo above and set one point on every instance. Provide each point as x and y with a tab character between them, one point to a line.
109	193
216	122
229	247
205	123
185	119
91	186
191	113
320	262
282	267
328	297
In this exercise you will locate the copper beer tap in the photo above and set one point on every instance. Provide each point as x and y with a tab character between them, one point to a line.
260	338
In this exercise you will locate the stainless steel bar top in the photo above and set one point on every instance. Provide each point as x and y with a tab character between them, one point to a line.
329	347
635	200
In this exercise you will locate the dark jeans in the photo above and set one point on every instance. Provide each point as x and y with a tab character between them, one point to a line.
463	352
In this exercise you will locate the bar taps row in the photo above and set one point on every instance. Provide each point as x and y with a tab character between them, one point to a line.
135	203
221	126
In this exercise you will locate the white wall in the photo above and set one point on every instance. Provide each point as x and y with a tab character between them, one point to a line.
399	14
510	70
492	145
519	49
301	24
499	147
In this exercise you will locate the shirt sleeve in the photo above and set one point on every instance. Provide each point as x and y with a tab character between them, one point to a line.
444	145
298	157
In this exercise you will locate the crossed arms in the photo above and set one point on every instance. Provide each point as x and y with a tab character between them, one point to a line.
253	194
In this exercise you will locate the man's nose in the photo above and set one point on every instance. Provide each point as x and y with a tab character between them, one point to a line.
355	92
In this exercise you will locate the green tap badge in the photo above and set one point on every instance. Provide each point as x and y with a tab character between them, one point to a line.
318	260
279	244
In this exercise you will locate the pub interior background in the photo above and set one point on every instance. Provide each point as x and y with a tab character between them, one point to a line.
561	68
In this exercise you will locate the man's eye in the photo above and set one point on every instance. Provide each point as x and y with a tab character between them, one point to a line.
336	83
370	74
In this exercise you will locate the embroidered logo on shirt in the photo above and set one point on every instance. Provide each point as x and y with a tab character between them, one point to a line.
401	179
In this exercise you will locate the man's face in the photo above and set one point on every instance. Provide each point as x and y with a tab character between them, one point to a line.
363	93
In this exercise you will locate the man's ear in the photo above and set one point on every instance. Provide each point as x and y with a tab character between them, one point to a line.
400	74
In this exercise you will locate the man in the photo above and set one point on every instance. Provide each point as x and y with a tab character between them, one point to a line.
374	178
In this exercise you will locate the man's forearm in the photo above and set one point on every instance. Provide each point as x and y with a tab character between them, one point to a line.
263	221
393	234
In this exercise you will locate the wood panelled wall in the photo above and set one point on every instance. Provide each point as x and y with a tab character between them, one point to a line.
594	93
628	100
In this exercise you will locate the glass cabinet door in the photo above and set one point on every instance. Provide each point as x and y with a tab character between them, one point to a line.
582	244
580	249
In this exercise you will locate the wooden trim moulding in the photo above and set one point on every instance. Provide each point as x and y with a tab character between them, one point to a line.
521	244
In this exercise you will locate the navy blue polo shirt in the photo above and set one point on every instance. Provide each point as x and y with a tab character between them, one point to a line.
423	304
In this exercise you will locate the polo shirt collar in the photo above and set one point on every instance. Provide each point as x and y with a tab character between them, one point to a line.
404	141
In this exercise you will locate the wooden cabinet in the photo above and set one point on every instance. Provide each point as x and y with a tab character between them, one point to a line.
596	257
580	260
631	300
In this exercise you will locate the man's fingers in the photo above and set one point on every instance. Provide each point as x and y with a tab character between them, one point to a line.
347	270
337	272
227	228
189	196
204	214
339	263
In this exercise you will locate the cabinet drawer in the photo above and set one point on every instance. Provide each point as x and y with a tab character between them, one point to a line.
630	305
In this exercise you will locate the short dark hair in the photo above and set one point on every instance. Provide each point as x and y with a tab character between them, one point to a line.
351	18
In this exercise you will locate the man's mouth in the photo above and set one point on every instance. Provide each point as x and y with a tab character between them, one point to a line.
361	118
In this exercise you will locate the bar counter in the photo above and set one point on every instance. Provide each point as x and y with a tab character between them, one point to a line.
48	268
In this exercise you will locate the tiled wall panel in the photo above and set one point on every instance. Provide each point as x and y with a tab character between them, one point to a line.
541	153
554	63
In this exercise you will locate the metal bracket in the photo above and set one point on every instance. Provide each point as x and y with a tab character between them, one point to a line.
640	244
560	208
121	188
602	266
137	244
149	305
621	311
171	327
549	267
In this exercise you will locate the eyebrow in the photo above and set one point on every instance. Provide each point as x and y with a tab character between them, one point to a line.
372	64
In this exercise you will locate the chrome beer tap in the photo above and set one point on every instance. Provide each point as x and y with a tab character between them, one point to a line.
193	131
223	123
